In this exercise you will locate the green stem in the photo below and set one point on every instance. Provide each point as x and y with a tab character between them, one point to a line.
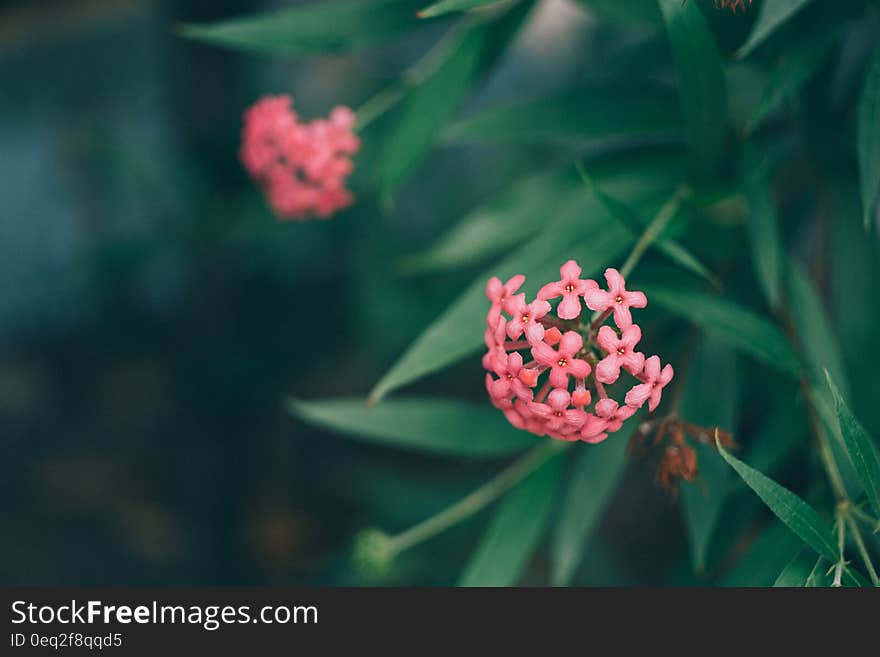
478	499
841	544
654	229
872	522
378	104
863	550
811	577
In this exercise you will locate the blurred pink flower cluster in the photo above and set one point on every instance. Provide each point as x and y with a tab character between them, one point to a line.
558	388
301	166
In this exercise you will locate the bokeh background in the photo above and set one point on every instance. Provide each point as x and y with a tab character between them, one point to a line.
154	315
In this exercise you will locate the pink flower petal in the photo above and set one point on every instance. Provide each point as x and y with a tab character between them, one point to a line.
616	284
569	307
608	339
550	291
608	369
570	344
638	395
635	299
652	368
597	299
579	369
570	271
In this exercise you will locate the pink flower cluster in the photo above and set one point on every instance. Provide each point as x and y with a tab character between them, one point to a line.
301	166
574	353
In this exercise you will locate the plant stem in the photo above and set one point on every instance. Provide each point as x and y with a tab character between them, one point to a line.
834	476
377	104
654	229
863	550
810	578
478	499
867	519
841	543
824	449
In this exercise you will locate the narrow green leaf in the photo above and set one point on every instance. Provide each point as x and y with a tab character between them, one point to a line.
788	507
824	405
859	446
585	233
852	262
869	138
803	571
450	6
763	235
679	255
598	113
594	478
504	221
428	106
701	81
763	557
634	222
817	339
738	326
798	570
319	27
852	577
434	425
522	209
711	398
772	14
799	62
515	530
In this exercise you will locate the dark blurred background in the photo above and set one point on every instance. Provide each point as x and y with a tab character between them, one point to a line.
153	314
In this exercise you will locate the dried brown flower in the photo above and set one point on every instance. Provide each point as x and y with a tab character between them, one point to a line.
733	5
678	459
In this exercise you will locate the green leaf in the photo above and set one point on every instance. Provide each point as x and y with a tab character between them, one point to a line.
428	106
738	326
598	113
800	60
711	399
852	577
594	478
515	530
805	571
679	255
763	234
869	138
434	425
816	337
824	405
633	221
449	6
522	209
773	13
859	446
320	27
798	571
503	222
701	81
763	557
637	11
586	234
788	507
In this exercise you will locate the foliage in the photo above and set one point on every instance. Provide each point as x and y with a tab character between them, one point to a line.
755	124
